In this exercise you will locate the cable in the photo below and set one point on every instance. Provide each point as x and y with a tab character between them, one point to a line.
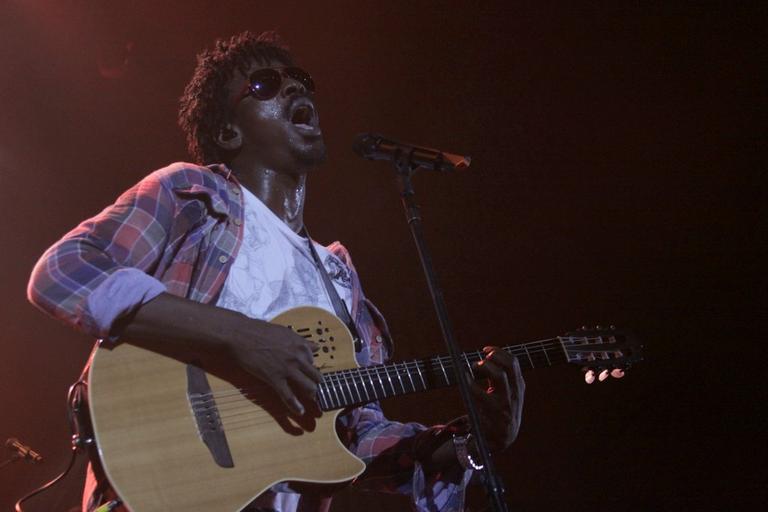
75	397
49	484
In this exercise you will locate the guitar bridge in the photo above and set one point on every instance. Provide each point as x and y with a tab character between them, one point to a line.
207	417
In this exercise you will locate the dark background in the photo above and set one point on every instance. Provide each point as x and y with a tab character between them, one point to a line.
615	179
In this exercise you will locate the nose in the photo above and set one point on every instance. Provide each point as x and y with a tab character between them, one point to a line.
292	86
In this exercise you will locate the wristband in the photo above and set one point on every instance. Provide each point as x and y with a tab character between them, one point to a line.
462	453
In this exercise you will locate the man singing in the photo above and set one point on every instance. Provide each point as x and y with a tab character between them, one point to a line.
194	259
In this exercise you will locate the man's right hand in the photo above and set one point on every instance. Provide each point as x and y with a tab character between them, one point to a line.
278	357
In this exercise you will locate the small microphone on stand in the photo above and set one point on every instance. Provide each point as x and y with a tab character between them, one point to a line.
373	146
23	451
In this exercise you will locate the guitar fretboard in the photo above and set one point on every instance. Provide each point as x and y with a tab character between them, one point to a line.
362	385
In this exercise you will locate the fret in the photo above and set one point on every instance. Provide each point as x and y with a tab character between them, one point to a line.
469	365
351	398
423	382
349	379
408	373
333	388
356	380
544	349
381	383
323	400
399	378
529	356
390	381
373	384
365	379
365	385
440	360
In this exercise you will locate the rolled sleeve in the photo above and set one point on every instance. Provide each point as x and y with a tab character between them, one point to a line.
117	296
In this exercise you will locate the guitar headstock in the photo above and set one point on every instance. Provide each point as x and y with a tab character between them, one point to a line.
602	351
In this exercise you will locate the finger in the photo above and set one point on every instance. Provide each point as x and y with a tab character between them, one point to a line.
283	390
589	376
617	373
490	370
484	368
303	342
500	357
510	365
304	385
310	371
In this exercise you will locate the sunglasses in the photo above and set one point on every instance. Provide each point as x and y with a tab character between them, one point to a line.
264	84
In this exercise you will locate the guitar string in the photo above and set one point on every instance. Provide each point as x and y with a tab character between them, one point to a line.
252	417
245	406
347	397
353	376
413	365
541	348
390	366
247	420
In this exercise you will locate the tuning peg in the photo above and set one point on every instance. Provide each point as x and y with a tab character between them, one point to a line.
589	376
599	327
617	373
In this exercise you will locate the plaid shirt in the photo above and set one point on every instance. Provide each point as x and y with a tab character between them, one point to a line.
178	231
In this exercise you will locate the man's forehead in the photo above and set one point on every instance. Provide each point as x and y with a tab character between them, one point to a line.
255	64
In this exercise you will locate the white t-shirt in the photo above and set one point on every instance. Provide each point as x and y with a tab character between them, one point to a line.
274	269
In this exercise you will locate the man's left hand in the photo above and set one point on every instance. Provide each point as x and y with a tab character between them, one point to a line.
498	390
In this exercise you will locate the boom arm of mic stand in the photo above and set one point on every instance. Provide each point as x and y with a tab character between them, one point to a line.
494	485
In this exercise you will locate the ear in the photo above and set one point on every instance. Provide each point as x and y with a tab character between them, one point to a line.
229	137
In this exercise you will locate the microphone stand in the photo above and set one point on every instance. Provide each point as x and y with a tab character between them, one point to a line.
493	484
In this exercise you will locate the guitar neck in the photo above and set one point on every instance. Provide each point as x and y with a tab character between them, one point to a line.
362	385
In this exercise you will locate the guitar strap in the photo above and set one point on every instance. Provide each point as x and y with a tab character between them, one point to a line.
339	306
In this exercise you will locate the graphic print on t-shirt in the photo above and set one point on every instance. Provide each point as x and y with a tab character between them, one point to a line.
338	271
274	269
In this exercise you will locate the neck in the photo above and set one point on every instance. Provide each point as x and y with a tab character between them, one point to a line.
283	193
357	386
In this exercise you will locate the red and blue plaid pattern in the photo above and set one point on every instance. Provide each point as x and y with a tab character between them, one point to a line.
179	230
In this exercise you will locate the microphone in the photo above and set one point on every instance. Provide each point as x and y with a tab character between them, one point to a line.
373	146
22	450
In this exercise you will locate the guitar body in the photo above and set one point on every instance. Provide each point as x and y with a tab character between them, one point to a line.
150	444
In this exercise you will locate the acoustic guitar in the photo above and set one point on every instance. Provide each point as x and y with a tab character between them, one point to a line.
171	436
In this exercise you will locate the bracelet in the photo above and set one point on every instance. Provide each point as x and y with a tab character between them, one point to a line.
462	453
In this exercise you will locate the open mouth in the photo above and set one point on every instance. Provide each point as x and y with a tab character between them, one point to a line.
303	116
